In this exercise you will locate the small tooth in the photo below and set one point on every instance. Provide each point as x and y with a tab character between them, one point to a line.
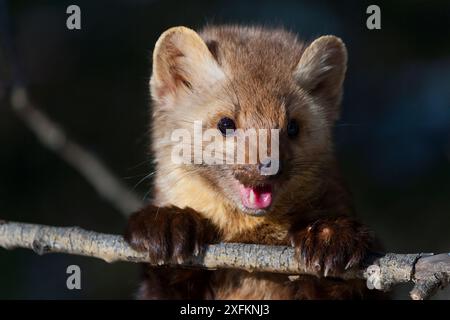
252	197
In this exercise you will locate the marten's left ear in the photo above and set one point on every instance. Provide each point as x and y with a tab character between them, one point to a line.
182	62
321	71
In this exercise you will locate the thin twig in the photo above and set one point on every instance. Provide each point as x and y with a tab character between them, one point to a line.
381	271
52	136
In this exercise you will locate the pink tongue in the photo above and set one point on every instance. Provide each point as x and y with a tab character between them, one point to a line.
256	197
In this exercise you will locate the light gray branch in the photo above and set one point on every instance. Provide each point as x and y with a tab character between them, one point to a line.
381	272
52	136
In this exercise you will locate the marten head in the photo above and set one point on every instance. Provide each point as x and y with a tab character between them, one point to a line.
232	80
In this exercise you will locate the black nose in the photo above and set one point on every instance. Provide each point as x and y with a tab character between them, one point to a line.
268	168
265	163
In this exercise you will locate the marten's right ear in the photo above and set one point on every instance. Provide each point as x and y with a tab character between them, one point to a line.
182	61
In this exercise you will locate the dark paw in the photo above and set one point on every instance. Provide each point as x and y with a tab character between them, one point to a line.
331	246
168	234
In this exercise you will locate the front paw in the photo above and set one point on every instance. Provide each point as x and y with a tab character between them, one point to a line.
331	245
168	234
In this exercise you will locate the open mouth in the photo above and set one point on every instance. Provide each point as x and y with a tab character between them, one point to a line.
256	197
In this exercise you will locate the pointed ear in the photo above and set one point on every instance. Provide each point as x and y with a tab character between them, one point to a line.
182	60
321	71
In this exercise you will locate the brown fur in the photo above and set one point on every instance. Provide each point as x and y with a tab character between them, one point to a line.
261	78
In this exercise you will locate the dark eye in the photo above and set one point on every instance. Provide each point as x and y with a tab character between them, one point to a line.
225	124
292	128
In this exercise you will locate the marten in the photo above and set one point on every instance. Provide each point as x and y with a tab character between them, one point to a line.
242	77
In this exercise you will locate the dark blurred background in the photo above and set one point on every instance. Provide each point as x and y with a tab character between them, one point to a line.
393	139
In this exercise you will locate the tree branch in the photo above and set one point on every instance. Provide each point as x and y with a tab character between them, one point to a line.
381	271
